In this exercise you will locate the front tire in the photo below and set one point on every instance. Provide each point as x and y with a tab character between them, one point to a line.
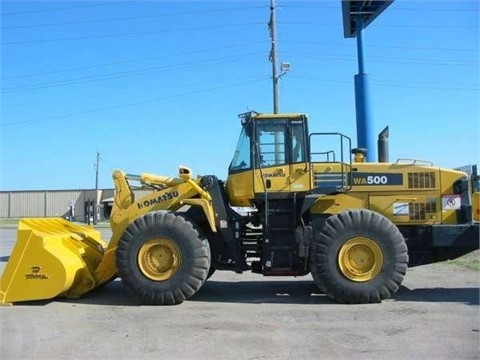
162	258
358	256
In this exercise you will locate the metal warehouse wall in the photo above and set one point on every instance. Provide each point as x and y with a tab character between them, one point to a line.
25	203
4	205
51	203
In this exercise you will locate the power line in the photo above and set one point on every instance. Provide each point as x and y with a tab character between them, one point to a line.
131	61
433	9
113	107
320	79
387	84
123	74
424	87
213	27
104	3
420	61
326	7
130	18
381	25
207	62
379	46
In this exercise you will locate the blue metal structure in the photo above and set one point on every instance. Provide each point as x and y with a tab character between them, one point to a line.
357	15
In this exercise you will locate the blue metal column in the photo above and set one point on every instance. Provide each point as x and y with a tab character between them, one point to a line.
365	129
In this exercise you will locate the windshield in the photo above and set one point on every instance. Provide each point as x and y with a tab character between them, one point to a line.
241	158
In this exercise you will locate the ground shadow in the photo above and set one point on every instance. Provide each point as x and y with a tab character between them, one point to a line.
251	292
466	295
114	294
4	258
304	292
264	292
257	292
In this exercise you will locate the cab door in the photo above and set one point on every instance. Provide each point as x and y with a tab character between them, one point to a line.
280	156
272	170
299	162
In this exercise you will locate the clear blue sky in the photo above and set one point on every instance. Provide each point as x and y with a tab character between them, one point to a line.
152	85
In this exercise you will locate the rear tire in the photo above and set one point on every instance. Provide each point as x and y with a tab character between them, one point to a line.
358	256
162	258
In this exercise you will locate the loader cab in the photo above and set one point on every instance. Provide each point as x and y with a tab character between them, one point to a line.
271	156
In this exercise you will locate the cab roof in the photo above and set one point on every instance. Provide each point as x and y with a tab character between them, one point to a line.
280	116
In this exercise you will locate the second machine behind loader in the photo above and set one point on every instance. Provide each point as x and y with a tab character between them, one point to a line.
355	226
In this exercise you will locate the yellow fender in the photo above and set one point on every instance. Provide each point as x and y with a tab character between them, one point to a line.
207	209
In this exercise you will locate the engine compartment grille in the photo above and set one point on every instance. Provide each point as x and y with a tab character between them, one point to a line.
421	180
418	211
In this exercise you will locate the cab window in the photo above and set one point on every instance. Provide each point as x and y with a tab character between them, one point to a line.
298	142
271	144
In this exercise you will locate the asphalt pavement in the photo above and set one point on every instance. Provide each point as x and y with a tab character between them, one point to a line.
435	315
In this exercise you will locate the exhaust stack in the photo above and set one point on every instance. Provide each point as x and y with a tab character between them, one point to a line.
383	145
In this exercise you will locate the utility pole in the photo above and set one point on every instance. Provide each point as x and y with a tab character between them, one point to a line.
95	206
273	56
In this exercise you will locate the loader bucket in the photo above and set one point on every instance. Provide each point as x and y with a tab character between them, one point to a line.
52	257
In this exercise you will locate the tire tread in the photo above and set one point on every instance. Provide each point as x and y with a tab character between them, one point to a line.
188	279
339	228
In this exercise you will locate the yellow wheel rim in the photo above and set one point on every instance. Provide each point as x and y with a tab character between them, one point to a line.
159	259
360	259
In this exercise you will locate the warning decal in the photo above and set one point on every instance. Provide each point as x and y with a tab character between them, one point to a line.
451	202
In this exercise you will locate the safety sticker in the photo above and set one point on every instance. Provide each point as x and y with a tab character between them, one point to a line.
401	209
451	202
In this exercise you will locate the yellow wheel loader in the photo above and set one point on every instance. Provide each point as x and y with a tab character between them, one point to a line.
294	203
